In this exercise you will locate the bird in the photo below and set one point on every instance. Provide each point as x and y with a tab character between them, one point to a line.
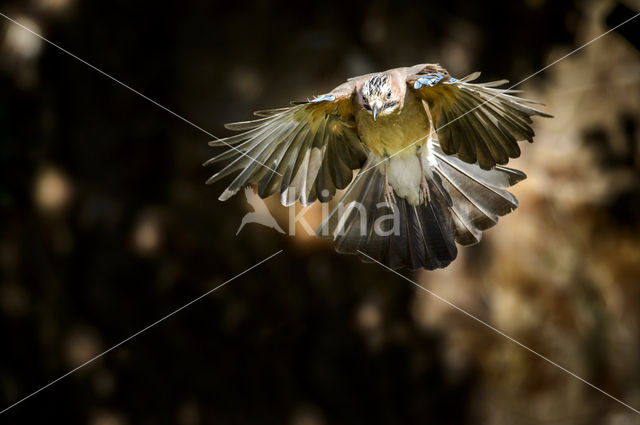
260	213
431	152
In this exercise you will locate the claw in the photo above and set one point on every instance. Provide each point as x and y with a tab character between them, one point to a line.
425	194
389	196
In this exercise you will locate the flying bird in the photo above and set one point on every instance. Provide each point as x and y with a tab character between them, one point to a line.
430	148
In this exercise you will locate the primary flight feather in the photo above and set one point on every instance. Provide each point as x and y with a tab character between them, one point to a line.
430	150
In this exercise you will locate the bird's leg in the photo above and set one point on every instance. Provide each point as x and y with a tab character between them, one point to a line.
389	196
425	194
432	130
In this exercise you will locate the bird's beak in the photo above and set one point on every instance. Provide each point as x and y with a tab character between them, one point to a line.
375	111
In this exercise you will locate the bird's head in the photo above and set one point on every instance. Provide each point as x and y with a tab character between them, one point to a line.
380	96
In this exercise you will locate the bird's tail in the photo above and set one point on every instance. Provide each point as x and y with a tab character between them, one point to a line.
463	201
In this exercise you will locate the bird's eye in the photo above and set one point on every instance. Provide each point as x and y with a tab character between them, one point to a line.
366	106
389	94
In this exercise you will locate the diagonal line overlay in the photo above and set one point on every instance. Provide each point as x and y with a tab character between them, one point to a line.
135	91
137	333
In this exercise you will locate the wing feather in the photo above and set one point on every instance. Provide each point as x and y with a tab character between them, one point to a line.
476	122
306	151
273	178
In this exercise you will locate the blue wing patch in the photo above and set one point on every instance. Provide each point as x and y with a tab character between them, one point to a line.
428	80
324	98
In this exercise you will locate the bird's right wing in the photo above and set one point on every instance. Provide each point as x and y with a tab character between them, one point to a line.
476	122
306	151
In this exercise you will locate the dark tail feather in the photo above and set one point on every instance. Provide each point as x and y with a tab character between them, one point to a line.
478	197
402	235
464	201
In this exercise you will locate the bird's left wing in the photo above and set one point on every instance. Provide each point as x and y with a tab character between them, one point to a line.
476	122
305	152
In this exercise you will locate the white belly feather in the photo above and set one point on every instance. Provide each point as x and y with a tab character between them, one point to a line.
404	173
404	177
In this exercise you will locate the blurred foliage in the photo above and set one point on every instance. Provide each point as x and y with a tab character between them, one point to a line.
106	224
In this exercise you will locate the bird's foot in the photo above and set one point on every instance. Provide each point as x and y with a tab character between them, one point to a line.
389	196
425	194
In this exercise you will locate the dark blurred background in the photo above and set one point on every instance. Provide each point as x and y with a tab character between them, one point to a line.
107	225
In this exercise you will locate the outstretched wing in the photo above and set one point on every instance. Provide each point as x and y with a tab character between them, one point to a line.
477	122
305	152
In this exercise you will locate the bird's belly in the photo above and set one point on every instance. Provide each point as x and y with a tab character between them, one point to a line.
404	177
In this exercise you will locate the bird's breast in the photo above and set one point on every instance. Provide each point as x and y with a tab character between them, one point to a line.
406	128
